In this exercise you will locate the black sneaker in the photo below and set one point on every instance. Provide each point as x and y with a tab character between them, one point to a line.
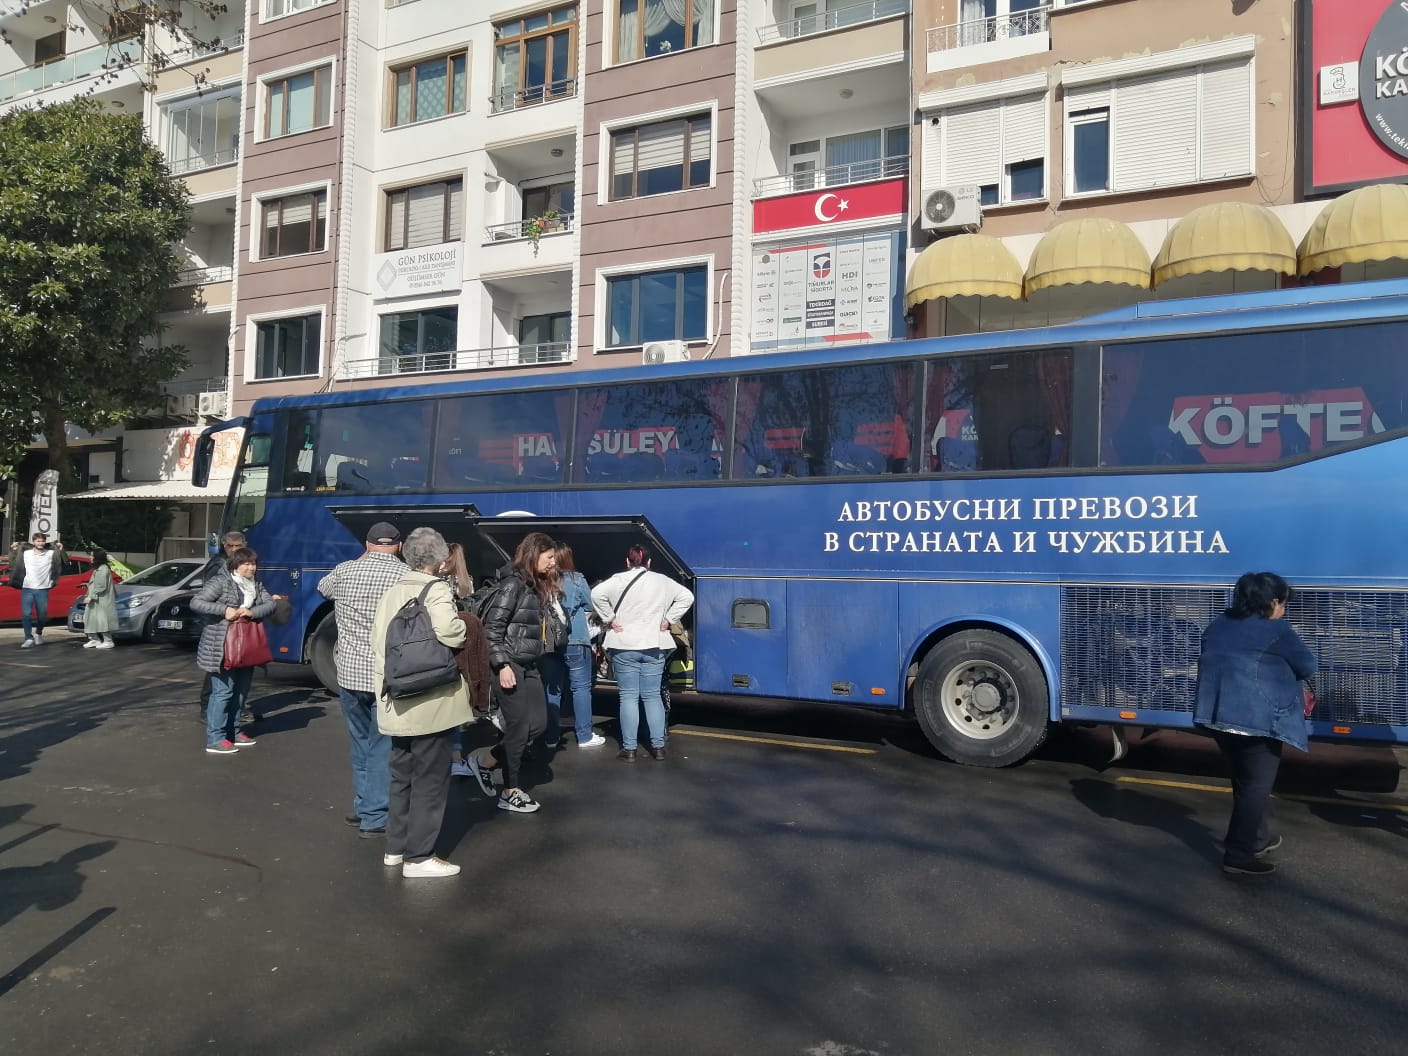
484	775
1253	867
518	801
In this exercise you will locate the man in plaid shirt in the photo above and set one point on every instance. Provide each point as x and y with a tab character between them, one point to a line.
355	589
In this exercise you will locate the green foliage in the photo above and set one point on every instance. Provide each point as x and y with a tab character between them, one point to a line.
89	217
127	526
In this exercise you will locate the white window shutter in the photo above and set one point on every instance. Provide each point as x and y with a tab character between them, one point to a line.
661	146
456	210
1087	97
427	219
1024	129
932	145
396	220
1226	134
1155	131
972	149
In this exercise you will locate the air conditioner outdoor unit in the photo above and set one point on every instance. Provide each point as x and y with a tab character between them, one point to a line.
950	208
187	404
664	352
212	404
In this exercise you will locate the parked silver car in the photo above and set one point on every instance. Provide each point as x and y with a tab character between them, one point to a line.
139	597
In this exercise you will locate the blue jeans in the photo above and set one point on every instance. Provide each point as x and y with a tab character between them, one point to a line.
371	758
638	673
579	678
228	692
38	599
554	674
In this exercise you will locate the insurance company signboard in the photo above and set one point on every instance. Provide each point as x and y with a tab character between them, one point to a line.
1354	89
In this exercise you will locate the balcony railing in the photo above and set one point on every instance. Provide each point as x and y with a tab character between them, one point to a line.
839	18
197	162
464	359
517	229
200	276
197	48
506	99
835	176
195	386
988	30
86	63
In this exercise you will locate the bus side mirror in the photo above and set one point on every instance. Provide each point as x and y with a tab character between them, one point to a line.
205	455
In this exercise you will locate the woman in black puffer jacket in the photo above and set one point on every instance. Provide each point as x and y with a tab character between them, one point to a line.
515	624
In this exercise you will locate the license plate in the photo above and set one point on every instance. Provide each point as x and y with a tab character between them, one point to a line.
170	625
78	621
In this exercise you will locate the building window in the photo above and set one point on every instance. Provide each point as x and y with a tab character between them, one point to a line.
287	348
279	8
202	134
863	155
535	58
428	89
295	223
51	48
1090	150
1180	126
426	215
559	198
659	27
417	341
661	157
999	146
554	328
298	103
668	305
982	21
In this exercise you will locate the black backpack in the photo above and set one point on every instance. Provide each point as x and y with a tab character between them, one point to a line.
416	661
480	601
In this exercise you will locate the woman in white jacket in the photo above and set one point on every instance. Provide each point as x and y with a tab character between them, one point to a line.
637	607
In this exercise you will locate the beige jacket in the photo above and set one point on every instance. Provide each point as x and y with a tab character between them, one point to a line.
443	707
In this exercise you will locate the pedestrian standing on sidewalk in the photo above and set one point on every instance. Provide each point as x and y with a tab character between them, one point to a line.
232	595
355	589
1250	695
34	571
421	727
578	656
100	607
229	543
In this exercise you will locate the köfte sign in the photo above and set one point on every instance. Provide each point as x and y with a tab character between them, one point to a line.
1265	426
1383	79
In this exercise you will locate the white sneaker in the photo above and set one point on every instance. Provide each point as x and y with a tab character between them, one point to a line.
596	740
38	639
428	868
91	643
459	768
391	859
28	643
109	644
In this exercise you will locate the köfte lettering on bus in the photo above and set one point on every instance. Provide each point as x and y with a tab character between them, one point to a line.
1266	425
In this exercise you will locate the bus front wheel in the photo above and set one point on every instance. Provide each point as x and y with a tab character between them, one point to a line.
981	699
320	653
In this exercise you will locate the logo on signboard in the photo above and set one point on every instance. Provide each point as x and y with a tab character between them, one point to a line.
821	265
820	208
1383	79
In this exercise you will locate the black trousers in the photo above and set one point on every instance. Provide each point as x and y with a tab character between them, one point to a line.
1254	762
420	788
525	715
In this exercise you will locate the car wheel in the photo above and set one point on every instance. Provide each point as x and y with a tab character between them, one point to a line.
320	653
149	627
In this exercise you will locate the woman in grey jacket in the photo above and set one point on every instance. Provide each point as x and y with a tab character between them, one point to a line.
230	595
100	608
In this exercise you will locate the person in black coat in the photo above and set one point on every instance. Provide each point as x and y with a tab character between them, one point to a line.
514	625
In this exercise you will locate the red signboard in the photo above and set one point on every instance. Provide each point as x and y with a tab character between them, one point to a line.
1340	96
831	206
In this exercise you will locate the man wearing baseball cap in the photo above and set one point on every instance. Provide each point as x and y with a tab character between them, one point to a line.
355	588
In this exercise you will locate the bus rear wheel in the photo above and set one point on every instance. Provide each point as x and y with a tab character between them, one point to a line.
320	653
981	699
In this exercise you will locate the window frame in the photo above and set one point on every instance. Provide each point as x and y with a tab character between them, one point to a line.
934	123
393	70
267	82
420	311
1097	115
613	28
522	39
262	202
446	213
265	5
213	97
607	147
602	322
256	319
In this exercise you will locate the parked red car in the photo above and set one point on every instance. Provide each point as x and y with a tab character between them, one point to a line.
72	585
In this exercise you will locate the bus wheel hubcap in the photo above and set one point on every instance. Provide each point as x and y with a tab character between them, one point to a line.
980	700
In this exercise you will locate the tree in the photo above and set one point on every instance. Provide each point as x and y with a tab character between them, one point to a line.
89	217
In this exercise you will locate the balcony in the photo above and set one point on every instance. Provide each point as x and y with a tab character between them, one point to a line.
79	66
839	18
539	227
994	39
451	362
835	176
200	162
201	276
203	289
508	99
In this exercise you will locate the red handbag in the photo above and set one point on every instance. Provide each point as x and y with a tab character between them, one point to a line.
245	645
1307	698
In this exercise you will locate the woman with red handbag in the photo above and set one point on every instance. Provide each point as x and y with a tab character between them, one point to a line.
231	646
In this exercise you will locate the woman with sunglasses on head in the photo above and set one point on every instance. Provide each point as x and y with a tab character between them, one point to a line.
231	594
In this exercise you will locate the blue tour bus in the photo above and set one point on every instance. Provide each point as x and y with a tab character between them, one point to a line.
997	532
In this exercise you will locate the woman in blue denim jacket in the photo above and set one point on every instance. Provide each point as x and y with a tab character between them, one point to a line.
1249	694
575	672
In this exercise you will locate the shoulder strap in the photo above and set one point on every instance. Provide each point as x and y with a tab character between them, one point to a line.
616	606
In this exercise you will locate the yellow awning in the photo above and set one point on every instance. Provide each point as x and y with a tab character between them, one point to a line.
964	265
1088	250
1370	223
1226	236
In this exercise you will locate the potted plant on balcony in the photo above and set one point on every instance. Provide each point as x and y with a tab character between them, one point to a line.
550	220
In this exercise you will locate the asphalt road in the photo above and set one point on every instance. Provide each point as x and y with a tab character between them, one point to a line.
792	880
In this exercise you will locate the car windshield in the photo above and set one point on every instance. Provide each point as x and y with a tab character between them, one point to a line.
166	574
